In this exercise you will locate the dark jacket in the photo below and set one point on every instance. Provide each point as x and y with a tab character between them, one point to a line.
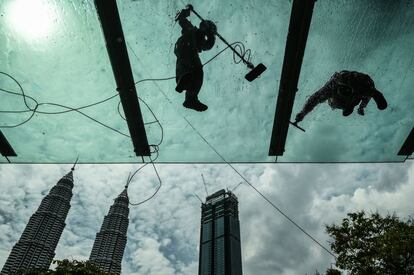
191	42
344	90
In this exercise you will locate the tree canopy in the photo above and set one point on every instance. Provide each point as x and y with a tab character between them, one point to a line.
65	267
333	271
372	244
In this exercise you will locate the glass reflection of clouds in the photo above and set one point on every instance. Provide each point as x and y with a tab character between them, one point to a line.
32	19
56	50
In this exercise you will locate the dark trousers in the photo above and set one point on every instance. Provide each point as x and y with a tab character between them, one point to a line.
191	82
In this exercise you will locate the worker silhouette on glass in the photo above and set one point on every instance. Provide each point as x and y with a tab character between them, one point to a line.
189	70
345	90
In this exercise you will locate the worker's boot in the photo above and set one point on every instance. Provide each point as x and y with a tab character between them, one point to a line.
192	102
195	105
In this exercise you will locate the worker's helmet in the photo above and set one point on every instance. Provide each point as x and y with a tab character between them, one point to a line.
208	26
206	35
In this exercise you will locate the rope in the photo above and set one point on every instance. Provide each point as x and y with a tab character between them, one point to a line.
34	110
156	190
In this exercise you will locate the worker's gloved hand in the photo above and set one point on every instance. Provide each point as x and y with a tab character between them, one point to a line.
299	117
184	13
361	111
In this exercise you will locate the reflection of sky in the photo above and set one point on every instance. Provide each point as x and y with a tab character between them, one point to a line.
31	20
70	66
375	37
163	234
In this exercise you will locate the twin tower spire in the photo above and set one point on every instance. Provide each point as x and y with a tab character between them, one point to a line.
36	246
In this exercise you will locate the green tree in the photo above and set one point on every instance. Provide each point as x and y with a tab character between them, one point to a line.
32	271
67	267
77	267
372	244
329	271
333	271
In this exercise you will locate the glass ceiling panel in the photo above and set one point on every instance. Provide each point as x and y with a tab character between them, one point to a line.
373	37
57	52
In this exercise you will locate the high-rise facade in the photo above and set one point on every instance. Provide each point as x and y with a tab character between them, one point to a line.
220	250
36	246
108	248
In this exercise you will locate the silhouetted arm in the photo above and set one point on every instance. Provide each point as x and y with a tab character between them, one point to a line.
181	17
185	24
318	97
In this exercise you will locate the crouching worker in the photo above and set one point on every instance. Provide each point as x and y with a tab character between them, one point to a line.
345	90
189	70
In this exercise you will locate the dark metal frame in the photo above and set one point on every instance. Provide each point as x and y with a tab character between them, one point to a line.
407	148
300	20
121	67
6	149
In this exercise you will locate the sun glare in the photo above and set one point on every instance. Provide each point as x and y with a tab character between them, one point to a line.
32	19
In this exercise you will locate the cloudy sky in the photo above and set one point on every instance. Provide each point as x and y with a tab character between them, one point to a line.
163	234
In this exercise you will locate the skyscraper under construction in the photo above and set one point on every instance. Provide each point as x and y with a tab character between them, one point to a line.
220	250
37	244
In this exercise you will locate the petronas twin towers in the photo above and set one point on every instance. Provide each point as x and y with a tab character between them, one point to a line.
36	247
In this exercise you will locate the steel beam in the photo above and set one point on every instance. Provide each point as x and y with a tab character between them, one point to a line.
407	148
121	67
300	20
6	149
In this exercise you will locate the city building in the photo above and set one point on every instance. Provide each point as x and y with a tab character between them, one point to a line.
220	250
108	248
36	246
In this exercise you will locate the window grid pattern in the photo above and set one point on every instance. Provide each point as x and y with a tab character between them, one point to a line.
220	250
109	245
37	244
